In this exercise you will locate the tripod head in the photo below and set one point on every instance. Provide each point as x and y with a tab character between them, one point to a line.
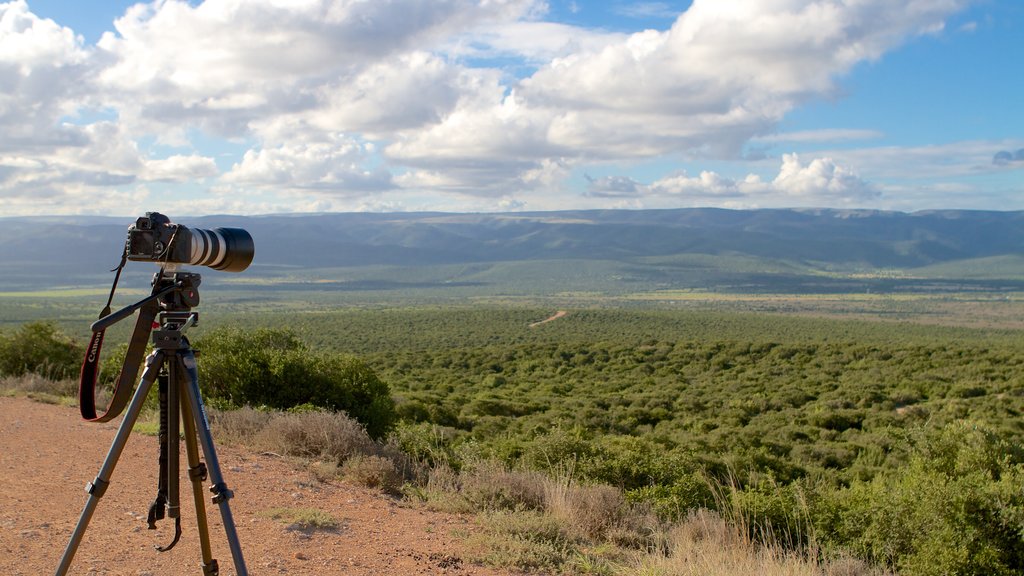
173	292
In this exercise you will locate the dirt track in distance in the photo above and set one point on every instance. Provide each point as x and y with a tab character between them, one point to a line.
555	316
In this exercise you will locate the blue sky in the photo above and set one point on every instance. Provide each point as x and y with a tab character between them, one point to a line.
267	106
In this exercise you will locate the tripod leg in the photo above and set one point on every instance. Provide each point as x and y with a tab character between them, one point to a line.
197	473
221	494
98	487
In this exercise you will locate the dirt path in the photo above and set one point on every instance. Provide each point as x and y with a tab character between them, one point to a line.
556	316
47	454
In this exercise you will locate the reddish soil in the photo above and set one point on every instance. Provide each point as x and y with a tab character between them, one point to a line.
47	454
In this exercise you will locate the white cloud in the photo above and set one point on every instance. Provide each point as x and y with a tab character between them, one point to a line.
413	90
820	182
225	63
708	184
179	168
334	165
654	93
340	100
43	71
533	41
932	162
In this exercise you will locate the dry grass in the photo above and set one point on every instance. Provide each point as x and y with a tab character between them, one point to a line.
317	435
482	487
591	512
374	472
526	540
591	529
305	519
705	544
333	444
42	389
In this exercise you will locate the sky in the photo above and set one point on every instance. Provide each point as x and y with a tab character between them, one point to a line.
297	106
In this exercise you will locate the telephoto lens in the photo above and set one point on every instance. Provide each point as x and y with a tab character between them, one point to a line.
228	249
154	238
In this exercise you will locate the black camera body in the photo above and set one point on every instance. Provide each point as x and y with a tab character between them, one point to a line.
154	238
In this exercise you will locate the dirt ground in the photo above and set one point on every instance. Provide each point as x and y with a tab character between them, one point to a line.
48	454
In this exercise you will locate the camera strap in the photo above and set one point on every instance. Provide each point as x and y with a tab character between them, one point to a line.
132	360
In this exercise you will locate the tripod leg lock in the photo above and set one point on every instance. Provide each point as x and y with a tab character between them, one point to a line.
211	569
97	487
221	493
198	473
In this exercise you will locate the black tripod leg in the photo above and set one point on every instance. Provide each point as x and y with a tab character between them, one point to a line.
221	494
171	446
159	506
98	487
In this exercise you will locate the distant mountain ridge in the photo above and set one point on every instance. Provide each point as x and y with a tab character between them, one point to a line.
63	251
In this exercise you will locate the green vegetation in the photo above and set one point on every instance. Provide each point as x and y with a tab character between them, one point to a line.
267	368
897	443
273	368
39	348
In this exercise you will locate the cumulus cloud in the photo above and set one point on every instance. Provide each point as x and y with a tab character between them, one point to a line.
179	168
333	165
820	182
661	92
340	99
43	74
823	180
224	63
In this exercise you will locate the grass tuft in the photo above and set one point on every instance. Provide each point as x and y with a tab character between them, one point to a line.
303	518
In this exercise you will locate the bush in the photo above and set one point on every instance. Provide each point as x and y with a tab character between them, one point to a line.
490	485
373	472
273	368
689	492
39	348
316	435
956	508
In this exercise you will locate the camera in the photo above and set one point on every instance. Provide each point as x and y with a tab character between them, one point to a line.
154	238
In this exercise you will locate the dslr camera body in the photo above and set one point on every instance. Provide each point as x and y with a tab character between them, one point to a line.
154	238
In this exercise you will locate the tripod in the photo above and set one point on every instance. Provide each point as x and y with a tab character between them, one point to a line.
173	364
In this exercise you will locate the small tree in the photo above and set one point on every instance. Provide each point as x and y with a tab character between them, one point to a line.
39	348
273	368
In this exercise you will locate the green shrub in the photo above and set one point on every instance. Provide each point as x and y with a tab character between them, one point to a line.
630	462
426	443
771	513
39	348
273	368
956	508
690	491
557	449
